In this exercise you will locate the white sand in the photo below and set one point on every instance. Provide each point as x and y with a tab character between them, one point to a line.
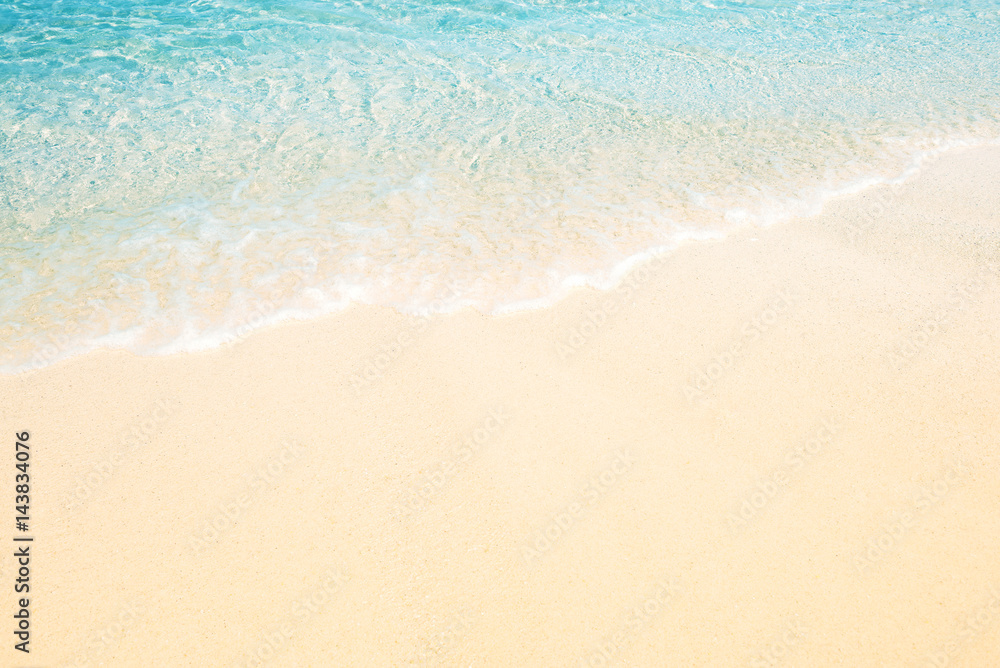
816	498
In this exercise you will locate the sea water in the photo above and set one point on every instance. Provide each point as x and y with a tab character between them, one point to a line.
175	173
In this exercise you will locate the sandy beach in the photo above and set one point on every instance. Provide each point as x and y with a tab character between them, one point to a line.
779	449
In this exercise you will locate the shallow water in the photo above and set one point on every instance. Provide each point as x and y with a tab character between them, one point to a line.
174	174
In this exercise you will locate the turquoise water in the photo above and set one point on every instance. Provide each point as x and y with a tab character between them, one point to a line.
174	174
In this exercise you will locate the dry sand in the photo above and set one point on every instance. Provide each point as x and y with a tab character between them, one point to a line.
779	449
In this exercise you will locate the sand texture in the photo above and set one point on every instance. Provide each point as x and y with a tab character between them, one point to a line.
775	450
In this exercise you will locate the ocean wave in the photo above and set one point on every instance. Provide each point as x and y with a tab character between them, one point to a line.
175	175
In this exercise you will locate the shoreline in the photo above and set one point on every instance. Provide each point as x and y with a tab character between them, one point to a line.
775	449
269	313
